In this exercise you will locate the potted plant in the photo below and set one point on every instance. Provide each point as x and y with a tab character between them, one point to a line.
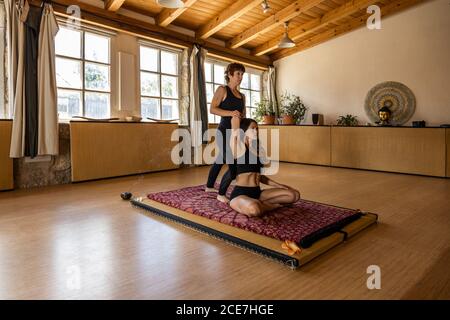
264	112
348	120
292	108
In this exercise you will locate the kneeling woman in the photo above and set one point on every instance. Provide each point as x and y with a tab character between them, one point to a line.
247	196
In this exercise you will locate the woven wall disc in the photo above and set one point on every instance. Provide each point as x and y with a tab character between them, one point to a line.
396	96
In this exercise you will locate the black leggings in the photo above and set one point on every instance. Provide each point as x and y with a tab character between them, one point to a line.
229	176
221	159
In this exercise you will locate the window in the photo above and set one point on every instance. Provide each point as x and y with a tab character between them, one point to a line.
83	74
159	83
250	87
214	77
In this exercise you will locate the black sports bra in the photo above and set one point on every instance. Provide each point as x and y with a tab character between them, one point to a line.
248	162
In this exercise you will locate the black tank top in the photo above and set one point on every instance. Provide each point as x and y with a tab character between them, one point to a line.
230	103
246	163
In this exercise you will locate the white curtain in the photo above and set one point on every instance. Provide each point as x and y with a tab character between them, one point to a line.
269	78
47	94
4	109
196	92
16	74
12	22
184	88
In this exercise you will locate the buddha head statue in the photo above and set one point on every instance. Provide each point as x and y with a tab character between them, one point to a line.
385	113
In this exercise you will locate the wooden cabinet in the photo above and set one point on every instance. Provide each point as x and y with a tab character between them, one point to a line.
102	150
302	144
6	163
447	134
423	151
275	139
406	150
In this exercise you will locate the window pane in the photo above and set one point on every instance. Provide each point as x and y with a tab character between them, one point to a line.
68	73
96	77
96	105
251	113
256	97
244	83
210	115
149	84
169	62
96	48
208	71
149	59
69	103
247	96
209	92
68	43
169	109
150	108
169	86
256	82
219	74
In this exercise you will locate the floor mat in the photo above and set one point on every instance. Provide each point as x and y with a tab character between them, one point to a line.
303	222
201	211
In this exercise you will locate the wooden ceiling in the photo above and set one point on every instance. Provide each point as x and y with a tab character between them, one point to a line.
242	23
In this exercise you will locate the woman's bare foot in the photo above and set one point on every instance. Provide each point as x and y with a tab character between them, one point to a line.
223	199
267	206
210	190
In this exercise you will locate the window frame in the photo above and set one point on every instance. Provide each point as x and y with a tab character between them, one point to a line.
214	62
248	106
159	72
83	30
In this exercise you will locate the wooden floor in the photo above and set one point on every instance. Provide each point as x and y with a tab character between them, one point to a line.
82	241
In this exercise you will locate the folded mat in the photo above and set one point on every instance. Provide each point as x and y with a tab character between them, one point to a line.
303	222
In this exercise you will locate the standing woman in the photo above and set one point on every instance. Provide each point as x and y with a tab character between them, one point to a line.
227	102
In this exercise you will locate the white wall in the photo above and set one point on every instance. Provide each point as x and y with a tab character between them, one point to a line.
413	47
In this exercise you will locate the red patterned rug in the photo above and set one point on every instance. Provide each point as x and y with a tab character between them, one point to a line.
303	222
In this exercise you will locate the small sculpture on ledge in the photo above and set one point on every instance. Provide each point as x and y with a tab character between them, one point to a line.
385	114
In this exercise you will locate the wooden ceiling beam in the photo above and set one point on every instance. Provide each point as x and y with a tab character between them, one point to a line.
120	23
227	16
167	16
270	23
309	27
391	8
113	5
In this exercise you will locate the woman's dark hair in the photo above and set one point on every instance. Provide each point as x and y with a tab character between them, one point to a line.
231	68
245	123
